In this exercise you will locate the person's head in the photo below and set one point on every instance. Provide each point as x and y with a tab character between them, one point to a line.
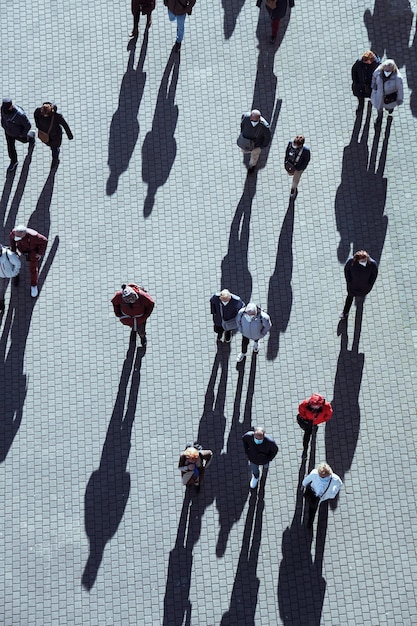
20	232
324	470
361	257
129	295
298	141
368	57
316	401
388	67
191	454
47	109
251	309
258	434
255	115
225	296
6	105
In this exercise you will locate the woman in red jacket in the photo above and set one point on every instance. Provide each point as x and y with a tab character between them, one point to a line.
312	412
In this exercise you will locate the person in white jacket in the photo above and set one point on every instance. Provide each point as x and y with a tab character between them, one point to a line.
9	268
387	90
321	484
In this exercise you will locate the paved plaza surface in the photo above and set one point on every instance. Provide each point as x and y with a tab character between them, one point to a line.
97	528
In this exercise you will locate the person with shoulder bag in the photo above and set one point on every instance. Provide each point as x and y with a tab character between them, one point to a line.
193	463
312	412
387	89
321	484
297	157
49	124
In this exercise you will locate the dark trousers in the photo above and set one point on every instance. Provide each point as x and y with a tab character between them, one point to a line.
245	343
349	301
11	146
308	428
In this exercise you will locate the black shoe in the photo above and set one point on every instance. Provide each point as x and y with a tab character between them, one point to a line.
143	341
294	193
228	336
12	166
177	46
55	163
16	281
2	306
378	122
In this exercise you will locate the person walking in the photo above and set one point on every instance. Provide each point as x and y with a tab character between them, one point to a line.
224	308
387	89
178	10
361	272
32	245
141	7
193	463
312	412
276	10
362	71
252	323
297	157
133	305
17	127
260	450
321	484
50	124
9	268
255	135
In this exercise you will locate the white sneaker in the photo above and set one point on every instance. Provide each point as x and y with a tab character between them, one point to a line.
240	357
31	134
253	482
256	347
34	291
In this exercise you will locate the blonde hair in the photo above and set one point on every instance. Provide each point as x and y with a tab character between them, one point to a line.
225	293
191	453
388	66
324	467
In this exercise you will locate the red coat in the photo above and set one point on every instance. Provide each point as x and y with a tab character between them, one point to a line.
33	243
138	312
317	416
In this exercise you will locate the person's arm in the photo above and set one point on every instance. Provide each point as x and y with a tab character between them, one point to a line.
265	137
266	324
348	272
41	244
324	415
373	275
400	90
25	124
273	450
307	480
116	306
245	445
148	306
65	126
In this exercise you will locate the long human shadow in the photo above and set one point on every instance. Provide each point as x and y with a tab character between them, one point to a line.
40	219
12	352
301	586
177	605
361	195
342	431
244	597
411	66
280	290
124	127
235	274
160	147
108	488
389	28
9	223
233	464
231	9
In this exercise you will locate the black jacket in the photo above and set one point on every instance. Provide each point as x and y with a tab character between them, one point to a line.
229	311
15	122
362	77
360	279
291	155
261	453
55	134
260	134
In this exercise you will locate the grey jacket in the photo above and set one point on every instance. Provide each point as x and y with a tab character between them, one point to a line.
255	329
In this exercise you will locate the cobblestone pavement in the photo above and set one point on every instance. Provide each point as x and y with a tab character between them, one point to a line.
97	529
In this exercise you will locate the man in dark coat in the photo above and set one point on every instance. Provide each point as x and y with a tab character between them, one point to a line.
362	71
361	272
32	245
260	450
16	127
255	128
178	10
224	308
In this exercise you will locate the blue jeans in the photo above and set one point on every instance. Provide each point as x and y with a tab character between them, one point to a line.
255	468
180	24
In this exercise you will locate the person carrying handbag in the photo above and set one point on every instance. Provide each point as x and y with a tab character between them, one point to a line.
49	124
297	157
321	484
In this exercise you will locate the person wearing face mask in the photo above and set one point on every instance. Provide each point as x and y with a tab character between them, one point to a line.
361	272
297	157
17	128
260	450
362	71
312	412
133	305
387	89
252	323
224	308
254	135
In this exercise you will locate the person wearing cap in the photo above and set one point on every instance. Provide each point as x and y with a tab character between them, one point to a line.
297	157
224	308
192	465
133	305
260	450
312	412
362	71
321	484
361	272
16	126
387	89
252	323
32	244
50	124
255	134
9	268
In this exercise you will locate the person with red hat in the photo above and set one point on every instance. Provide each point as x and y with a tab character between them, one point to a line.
312	412
133	305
